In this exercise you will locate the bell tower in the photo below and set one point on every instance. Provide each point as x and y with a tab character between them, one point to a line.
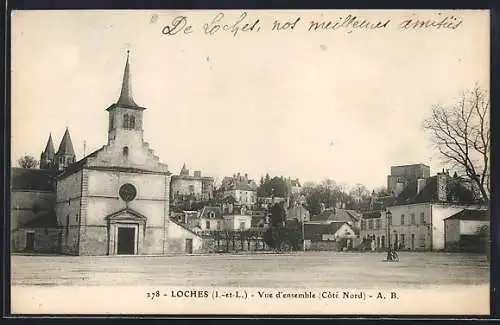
125	116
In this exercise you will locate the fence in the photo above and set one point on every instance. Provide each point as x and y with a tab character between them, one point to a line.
234	241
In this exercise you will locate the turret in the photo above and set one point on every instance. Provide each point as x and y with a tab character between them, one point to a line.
47	158
65	156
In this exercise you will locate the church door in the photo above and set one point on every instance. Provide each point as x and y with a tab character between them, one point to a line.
30	241
126	241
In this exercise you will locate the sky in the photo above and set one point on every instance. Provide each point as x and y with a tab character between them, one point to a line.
342	104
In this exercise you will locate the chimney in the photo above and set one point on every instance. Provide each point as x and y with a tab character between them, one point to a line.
441	180
420	184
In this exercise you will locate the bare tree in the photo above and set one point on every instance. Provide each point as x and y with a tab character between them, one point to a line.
461	133
27	162
359	192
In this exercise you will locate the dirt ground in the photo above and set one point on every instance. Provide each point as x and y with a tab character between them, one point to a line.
297	270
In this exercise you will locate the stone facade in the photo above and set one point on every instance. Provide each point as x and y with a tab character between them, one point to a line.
114	201
413	226
191	187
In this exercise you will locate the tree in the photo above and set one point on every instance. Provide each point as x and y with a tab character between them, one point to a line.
278	215
381	192
359	193
461	134
27	162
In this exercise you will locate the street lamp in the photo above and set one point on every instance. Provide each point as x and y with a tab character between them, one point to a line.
303	232
388	216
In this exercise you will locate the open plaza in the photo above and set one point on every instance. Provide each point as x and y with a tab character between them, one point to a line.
295	270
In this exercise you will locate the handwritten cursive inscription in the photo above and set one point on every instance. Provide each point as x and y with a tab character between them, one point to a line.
350	22
245	24
216	25
178	25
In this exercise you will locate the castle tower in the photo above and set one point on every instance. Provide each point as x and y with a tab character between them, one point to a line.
48	155
65	155
125	116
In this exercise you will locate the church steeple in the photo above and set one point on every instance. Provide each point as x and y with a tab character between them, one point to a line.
65	154
48	155
125	116
49	148
66	146
126	98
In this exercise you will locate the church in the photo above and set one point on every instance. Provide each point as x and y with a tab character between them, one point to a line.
114	201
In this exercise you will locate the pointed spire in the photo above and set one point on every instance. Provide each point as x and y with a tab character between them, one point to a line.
126	93
49	151
66	146
184	170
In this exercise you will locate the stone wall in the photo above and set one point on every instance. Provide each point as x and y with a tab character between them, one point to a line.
22	203
68	210
324	246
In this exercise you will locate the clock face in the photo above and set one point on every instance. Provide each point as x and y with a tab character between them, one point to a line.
127	192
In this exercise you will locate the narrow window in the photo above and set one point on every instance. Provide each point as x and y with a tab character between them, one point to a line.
422	218
125	151
131	122
412	216
125	121
67	227
402	219
207	224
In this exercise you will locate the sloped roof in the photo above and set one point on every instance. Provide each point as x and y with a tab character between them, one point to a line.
66	146
243	187
455	190
315	231
33	179
207	210
337	215
49	148
473	215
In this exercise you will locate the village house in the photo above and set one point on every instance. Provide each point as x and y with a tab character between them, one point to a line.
211	219
33	225
462	231
350	217
241	188
186	188
324	235
418	213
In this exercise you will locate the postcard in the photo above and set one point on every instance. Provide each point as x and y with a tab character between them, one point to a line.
250	162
